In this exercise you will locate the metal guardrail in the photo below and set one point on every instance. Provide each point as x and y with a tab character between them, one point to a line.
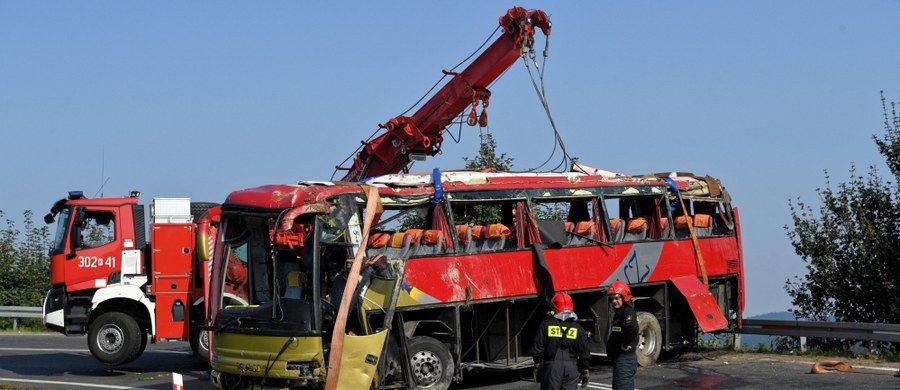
832	330
819	329
16	312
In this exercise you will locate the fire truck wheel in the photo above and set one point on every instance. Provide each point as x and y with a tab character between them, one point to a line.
650	342
431	363
140	350
115	338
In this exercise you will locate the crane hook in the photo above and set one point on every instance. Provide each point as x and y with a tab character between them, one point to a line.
483	119
473	115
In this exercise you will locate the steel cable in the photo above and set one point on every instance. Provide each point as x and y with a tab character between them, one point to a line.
430	90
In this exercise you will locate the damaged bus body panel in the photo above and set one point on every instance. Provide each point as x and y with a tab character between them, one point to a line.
458	277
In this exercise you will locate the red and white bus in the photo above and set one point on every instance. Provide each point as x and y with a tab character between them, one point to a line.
458	269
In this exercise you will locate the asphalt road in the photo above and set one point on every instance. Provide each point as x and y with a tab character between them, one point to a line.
53	361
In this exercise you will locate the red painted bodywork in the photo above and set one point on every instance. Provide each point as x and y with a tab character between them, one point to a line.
509	274
173	282
68	271
702	303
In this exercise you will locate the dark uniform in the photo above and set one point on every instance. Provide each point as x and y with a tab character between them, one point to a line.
621	346
561	350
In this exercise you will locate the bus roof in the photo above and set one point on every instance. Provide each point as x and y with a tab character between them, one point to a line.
283	196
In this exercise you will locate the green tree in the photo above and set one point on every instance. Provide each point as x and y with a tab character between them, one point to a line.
487	158
24	264
850	243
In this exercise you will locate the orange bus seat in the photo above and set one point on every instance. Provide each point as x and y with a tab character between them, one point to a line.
495	236
378	242
636	229
703	225
398	247
585	231
617	228
664	227
464	235
478	234
681	227
432	242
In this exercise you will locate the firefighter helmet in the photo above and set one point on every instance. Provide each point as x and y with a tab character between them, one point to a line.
562	302
619	288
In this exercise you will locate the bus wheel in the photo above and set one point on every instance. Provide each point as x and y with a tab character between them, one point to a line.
199	343
115	338
650	343
431	364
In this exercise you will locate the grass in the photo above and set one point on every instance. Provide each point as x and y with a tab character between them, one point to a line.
6	386
25	325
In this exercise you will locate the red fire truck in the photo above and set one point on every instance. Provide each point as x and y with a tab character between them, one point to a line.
109	282
453	270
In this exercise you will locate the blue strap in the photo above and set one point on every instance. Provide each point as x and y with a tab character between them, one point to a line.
674	187
438	188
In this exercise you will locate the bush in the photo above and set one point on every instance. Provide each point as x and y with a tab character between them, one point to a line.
24	266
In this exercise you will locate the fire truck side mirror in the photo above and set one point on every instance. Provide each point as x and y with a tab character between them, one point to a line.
48	219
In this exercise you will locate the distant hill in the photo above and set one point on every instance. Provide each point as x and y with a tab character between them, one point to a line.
777	315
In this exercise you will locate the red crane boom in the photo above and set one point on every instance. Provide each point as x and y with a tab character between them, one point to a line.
421	133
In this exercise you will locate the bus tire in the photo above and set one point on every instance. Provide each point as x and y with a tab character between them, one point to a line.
430	362
650	341
115	338
199	343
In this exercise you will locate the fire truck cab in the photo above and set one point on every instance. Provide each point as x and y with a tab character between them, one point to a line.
109	282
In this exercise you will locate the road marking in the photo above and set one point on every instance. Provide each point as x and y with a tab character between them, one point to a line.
44	350
602	386
888	369
76	350
69	384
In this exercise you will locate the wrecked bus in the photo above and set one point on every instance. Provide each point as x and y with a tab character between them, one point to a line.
457	269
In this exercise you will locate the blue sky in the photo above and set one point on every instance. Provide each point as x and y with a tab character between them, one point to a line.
196	99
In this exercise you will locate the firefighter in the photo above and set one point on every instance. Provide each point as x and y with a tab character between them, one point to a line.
560	351
623	337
